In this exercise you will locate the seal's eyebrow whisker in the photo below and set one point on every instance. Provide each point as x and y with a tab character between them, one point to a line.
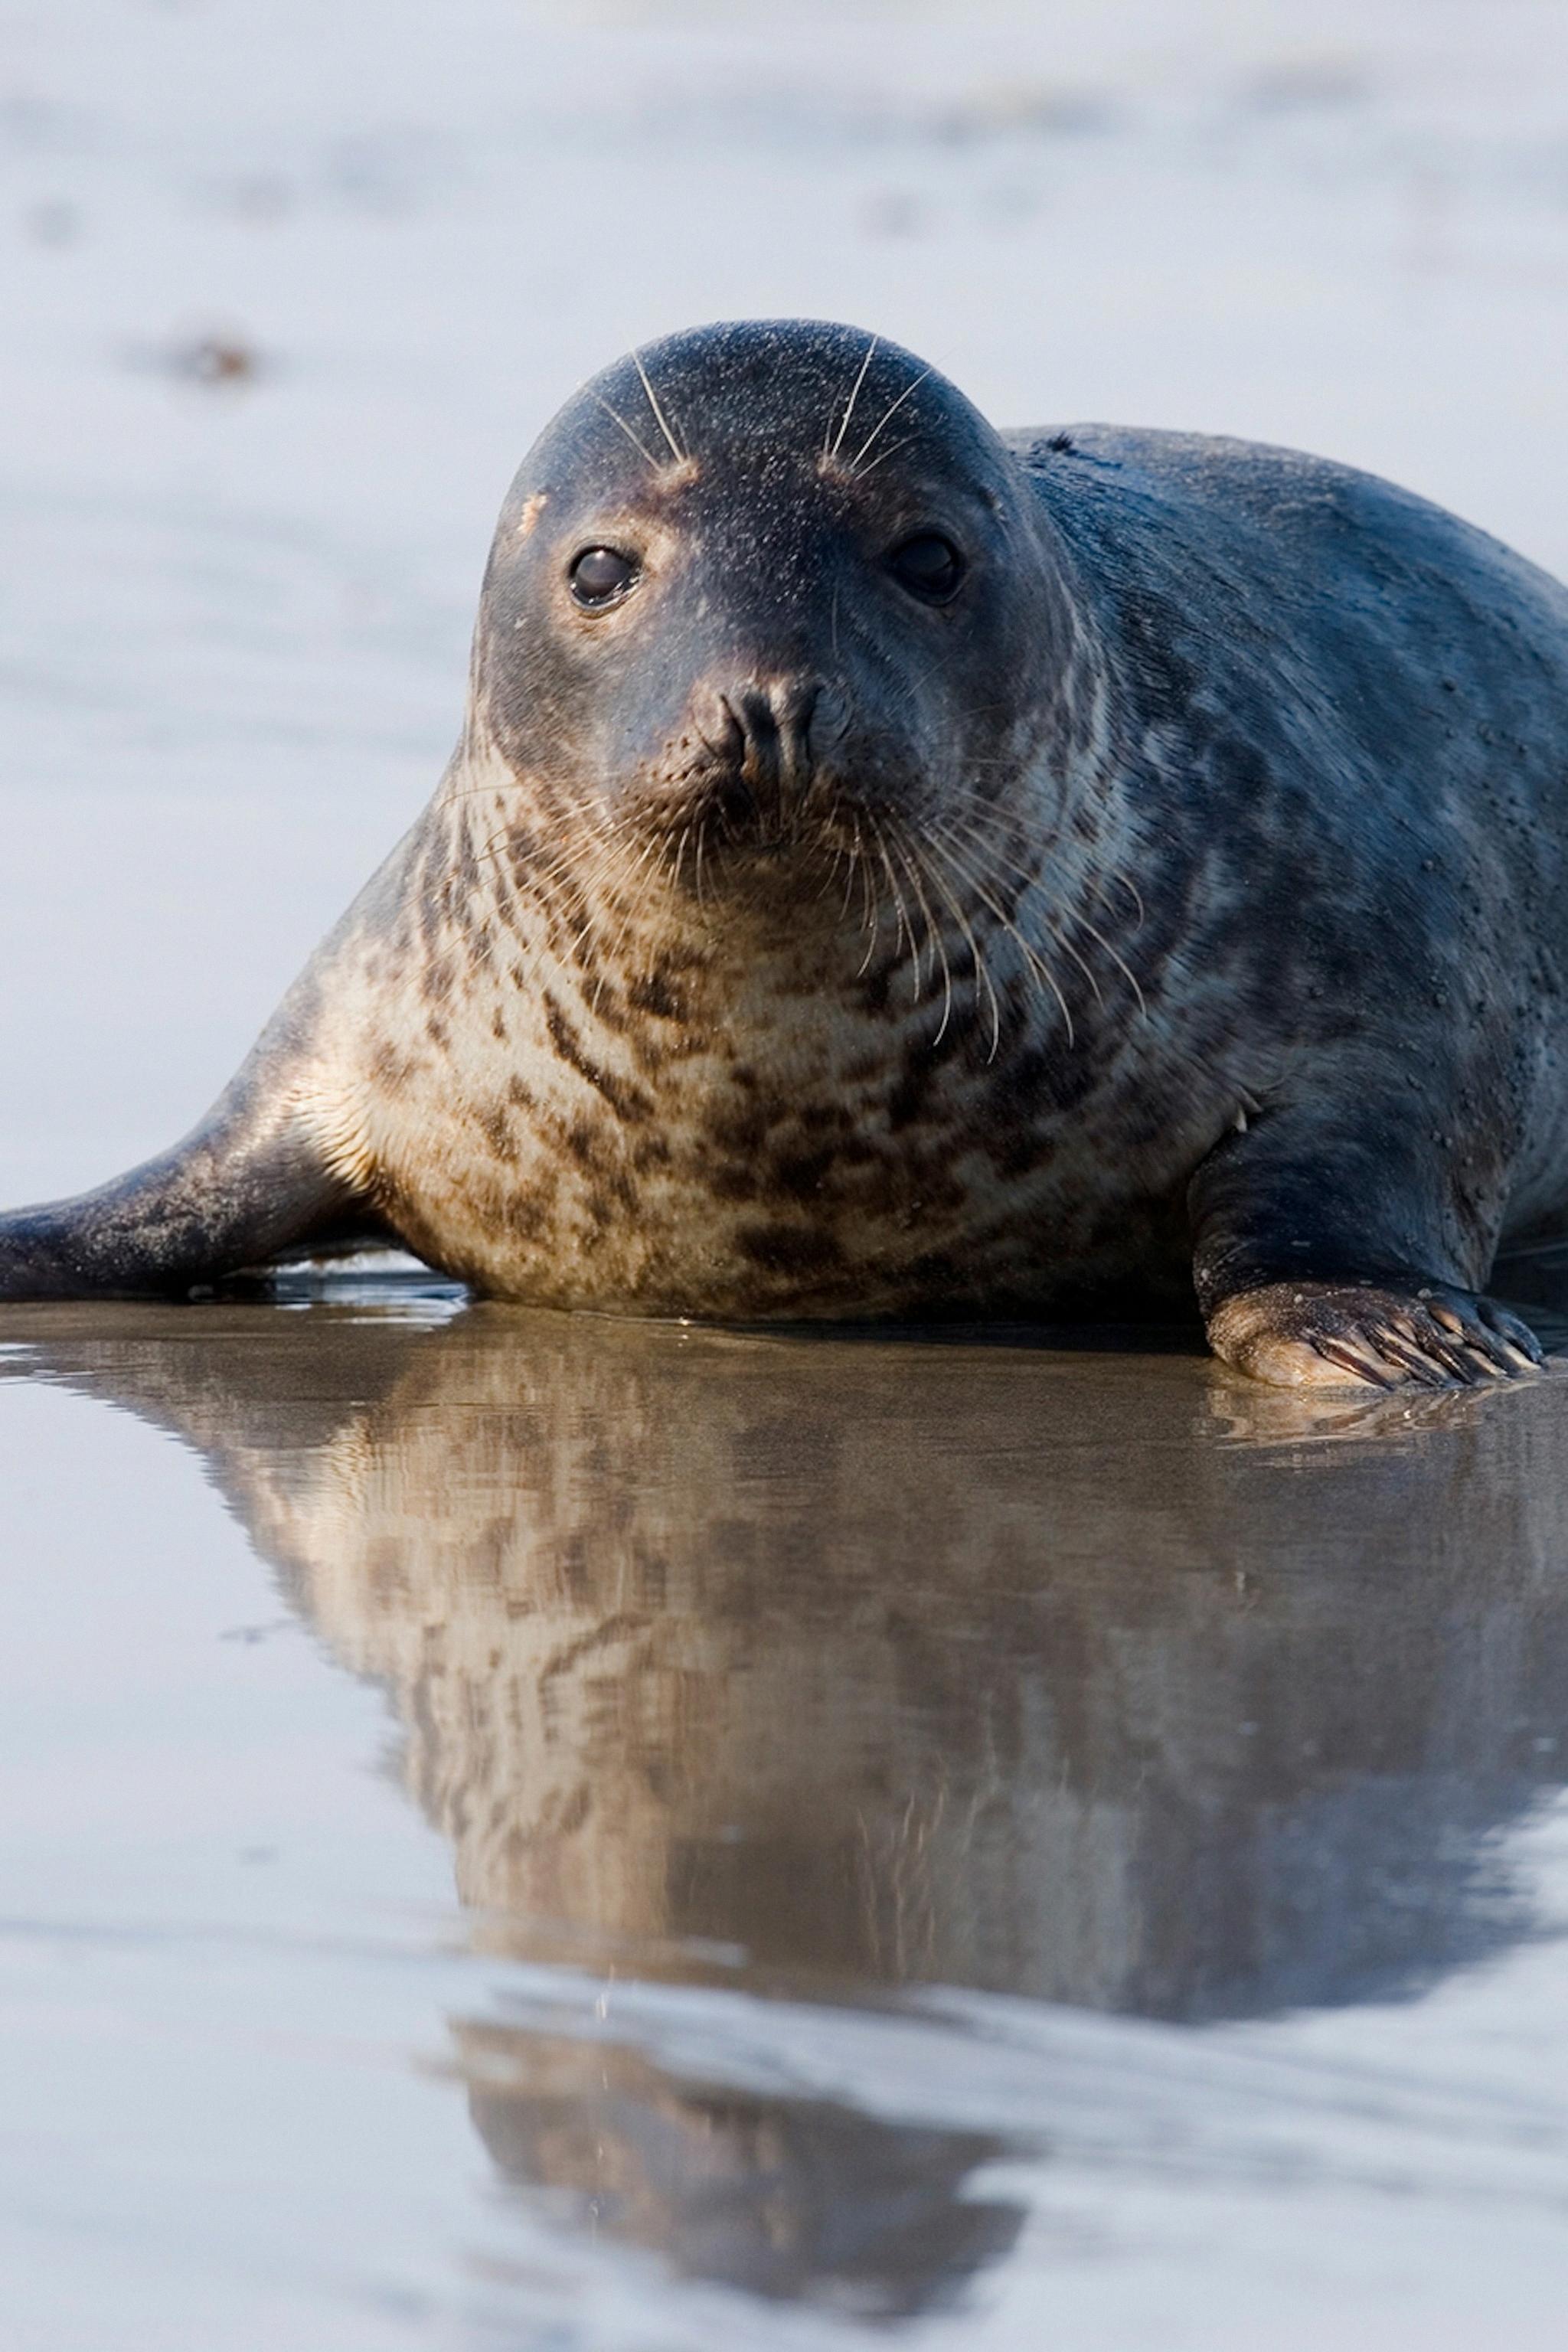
891	410
681	456
636	441
849	411
890	451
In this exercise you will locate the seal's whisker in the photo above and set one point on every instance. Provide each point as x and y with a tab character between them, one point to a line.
553	877
830	879
980	710
1033	960
967	793
871	914
917	946
605	862
910	853
557	893
653	849
852	856
890	411
1114	874
906	920
656	873
636	439
663	421
967	833
849	411
607	824
1036	881
890	451
607	847
998	828
1000	839
685	836
976	957
492	851
988	806
903	931
589	836
1125	969
998	852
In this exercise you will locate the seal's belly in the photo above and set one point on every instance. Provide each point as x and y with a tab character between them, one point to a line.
674	1244
750	1203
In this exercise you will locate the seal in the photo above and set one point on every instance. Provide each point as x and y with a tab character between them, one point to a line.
894	868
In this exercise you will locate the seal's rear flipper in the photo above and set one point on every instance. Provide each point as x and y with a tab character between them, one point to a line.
251	1182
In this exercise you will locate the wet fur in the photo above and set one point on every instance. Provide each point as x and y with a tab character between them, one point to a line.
1237	958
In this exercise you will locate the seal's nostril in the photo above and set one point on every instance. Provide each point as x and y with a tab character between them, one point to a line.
762	727
795	705
718	725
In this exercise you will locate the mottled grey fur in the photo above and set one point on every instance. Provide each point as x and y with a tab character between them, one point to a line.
1183	904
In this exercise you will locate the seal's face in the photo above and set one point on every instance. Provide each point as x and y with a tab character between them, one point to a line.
750	599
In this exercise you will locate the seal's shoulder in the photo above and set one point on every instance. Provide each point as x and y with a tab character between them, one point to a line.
1130	481
1146	465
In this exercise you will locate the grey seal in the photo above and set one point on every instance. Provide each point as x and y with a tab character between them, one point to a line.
893	868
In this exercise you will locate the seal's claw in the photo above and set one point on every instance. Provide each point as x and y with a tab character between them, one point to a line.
1426	1367
1464	1363
1515	1338
1328	1334
1333	1352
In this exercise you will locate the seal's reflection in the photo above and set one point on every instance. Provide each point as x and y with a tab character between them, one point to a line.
886	1662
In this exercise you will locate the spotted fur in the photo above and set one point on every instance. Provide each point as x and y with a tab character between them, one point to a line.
1184	904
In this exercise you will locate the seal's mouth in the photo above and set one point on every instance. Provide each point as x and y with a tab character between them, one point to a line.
736	832
767	816
856	872
765	775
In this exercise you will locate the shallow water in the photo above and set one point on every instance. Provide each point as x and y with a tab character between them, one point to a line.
539	1831
529	1834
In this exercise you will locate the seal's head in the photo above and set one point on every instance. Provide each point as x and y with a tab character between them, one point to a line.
755	588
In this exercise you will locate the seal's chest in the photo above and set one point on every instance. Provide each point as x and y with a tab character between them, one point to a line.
774	1200
715	1185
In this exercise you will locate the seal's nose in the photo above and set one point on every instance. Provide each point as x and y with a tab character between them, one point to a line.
774	718
760	730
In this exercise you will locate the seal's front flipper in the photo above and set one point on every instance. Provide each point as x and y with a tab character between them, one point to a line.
250	1182
1312	1334
1331	1254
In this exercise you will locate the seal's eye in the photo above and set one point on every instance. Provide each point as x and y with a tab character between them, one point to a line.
601	575
929	566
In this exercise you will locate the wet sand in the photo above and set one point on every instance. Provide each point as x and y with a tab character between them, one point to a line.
862	1829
